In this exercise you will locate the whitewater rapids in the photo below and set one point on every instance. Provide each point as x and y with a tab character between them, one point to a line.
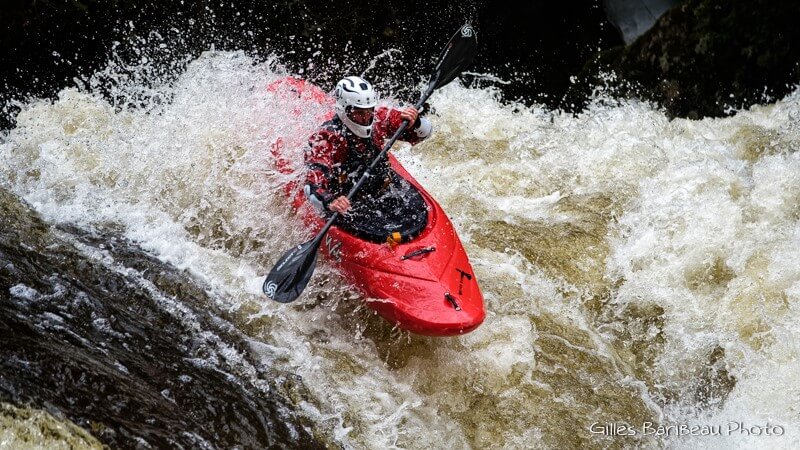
635	269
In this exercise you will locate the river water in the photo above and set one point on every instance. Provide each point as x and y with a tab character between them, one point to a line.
637	271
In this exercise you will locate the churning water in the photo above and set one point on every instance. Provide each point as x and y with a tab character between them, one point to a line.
636	270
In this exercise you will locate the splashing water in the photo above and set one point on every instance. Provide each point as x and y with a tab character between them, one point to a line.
635	269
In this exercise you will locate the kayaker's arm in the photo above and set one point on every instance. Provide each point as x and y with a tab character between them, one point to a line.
319	159
391	120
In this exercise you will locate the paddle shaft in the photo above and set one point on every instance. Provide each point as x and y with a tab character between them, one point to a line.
377	159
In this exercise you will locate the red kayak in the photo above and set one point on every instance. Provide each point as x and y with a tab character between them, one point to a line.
424	285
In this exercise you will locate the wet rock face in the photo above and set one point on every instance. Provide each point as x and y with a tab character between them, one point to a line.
534	46
88	331
634	18
701	58
705	57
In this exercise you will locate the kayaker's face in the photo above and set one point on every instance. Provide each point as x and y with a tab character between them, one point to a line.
361	116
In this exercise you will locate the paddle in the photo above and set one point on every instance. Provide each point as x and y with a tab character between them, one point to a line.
291	273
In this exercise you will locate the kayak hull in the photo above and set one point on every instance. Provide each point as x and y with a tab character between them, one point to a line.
426	285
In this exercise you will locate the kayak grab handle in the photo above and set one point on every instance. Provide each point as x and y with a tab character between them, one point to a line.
421	251
452	301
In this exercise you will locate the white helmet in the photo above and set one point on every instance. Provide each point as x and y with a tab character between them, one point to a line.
354	92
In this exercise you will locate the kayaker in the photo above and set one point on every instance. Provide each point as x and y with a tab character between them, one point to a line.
344	146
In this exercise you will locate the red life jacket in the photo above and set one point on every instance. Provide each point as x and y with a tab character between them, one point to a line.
336	157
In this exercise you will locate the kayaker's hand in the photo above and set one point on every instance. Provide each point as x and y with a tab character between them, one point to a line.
340	205
410	114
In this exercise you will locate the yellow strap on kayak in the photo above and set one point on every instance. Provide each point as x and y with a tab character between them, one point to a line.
394	238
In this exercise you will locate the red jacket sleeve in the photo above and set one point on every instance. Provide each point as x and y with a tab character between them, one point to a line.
388	121
320	157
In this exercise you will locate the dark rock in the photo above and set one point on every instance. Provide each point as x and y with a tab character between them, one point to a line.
705	58
535	46
135	360
634	17
700	58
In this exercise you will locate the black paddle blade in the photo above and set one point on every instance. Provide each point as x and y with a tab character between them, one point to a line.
456	56
291	273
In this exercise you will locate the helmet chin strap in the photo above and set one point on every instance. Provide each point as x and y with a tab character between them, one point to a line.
362	131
